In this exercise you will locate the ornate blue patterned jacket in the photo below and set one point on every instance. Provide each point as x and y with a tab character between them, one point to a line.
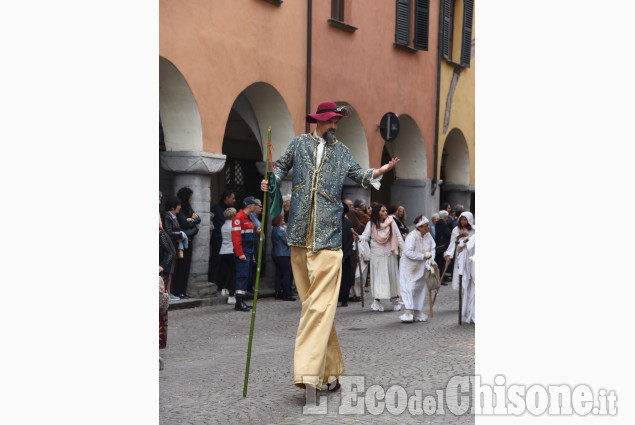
317	189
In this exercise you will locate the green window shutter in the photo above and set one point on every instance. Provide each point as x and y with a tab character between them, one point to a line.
422	23
402	25
466	46
446	29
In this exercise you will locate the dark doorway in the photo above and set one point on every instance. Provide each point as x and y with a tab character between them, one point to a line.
382	195
240	174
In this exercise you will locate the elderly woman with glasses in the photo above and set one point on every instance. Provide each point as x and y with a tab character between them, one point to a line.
418	256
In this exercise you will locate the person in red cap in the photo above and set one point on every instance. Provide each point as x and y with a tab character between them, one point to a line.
321	164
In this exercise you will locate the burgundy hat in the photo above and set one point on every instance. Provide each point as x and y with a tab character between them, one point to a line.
326	111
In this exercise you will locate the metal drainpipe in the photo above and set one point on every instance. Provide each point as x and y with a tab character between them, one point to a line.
308	62
436	123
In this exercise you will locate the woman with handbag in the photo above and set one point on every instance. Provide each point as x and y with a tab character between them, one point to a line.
417	258
385	244
188	220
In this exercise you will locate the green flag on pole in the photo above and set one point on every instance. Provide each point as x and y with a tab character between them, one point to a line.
274	190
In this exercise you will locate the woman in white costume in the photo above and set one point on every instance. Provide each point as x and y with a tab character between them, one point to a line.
385	244
417	256
463	230
466	268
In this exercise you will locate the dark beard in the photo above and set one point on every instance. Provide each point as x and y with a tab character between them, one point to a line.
329	136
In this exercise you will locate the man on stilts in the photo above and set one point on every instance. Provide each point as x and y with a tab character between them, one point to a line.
320	166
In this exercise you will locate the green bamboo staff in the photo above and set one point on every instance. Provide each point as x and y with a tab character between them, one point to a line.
253	311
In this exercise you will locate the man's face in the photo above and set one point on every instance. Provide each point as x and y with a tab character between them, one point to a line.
349	203
230	200
258	209
327	129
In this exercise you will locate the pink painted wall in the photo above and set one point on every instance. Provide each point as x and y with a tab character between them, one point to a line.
366	71
222	47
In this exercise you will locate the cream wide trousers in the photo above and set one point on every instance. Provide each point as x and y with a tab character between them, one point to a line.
318	358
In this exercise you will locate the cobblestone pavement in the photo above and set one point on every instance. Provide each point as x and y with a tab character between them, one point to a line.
202	382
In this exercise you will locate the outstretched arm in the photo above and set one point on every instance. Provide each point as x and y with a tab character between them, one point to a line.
385	168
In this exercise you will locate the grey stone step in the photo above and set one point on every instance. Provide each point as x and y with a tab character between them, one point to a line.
213	300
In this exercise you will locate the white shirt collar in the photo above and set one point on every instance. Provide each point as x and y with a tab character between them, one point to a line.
319	139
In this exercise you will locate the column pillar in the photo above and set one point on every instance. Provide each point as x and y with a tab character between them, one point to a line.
415	195
459	194
194	170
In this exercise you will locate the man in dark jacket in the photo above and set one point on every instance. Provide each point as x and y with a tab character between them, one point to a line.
227	200
442	230
173	229
347	257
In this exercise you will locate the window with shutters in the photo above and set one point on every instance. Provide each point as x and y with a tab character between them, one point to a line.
422	23
337	10
337	16
457	26
446	28
403	24
466	42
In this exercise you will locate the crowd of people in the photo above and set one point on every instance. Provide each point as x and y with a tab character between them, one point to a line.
327	250
379	252
392	261
234	239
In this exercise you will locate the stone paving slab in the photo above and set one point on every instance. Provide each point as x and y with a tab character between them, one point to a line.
202	382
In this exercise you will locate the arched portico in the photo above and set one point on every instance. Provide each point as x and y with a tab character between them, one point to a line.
351	133
411	185
180	118
184	164
255	109
455	170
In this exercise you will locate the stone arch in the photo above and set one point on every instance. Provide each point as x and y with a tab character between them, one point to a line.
261	106
455	171
409	147
178	111
255	109
350	131
411	185
457	167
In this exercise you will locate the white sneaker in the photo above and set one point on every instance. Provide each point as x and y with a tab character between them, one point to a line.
420	317
224	292
377	306
231	300
407	317
396	305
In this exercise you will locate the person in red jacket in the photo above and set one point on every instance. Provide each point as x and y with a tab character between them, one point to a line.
244	240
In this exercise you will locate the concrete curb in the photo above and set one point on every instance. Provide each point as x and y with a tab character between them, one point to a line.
213	300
